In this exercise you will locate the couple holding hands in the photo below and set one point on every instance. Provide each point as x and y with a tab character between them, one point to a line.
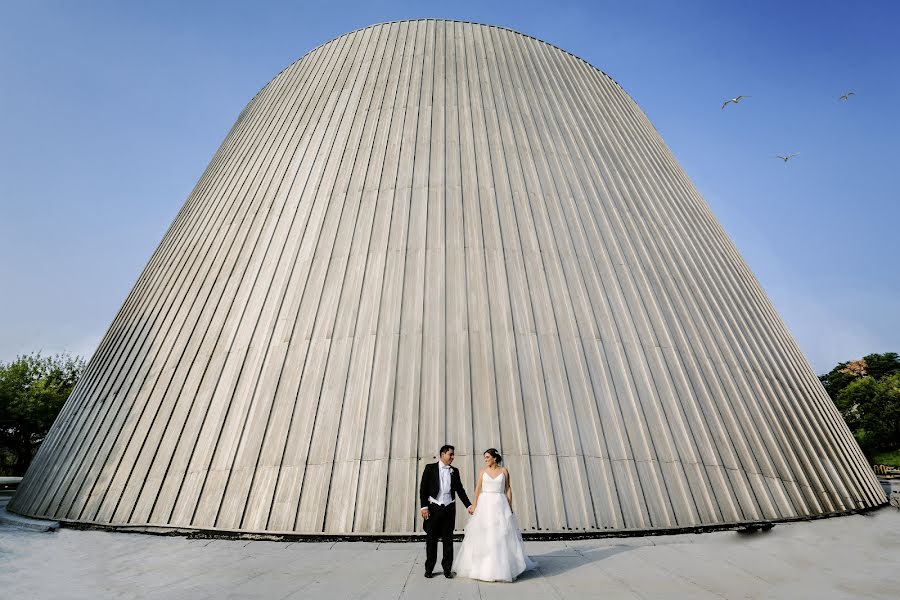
492	549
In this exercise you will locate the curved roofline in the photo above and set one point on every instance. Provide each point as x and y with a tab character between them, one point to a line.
537	39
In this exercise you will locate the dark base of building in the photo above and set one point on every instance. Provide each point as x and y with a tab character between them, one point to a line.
747	527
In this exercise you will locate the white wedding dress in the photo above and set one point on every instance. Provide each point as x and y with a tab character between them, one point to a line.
492	549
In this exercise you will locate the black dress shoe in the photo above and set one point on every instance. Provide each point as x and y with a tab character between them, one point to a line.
429	575
449	574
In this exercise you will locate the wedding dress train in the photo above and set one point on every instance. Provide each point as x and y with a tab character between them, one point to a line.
492	549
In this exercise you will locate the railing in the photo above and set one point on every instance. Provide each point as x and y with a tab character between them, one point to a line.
888	471
9	483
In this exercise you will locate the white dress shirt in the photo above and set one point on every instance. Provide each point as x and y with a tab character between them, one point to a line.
443	497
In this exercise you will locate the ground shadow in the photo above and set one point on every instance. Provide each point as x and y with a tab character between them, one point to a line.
566	559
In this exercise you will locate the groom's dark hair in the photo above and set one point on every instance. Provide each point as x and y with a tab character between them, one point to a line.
447	448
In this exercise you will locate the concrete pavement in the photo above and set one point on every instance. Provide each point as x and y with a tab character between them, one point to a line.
845	557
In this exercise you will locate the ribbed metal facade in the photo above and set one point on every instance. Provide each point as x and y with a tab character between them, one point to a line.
432	231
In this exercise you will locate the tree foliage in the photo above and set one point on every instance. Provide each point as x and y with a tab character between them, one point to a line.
867	393
33	389
871	365
871	408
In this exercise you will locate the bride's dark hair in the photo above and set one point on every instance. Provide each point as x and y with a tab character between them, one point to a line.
496	455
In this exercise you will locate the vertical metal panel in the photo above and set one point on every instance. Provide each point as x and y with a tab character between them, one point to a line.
435	231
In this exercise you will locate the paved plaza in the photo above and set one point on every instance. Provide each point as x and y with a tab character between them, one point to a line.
845	557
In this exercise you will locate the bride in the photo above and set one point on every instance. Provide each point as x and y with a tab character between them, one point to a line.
492	549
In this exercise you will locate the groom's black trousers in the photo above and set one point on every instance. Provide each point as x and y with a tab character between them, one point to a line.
439	524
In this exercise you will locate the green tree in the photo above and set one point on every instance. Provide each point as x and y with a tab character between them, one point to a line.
33	389
881	365
837	379
867	393
871	408
871	365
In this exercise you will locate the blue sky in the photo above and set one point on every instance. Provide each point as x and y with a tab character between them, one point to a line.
110	111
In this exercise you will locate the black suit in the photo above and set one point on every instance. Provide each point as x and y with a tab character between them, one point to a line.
442	519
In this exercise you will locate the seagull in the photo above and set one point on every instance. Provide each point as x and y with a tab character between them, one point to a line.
787	157
734	100
847	96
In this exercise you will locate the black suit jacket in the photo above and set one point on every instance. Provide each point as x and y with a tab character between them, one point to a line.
431	485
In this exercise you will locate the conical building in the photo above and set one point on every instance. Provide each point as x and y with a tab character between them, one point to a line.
431	231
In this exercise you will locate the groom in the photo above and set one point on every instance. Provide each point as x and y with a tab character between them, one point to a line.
437	497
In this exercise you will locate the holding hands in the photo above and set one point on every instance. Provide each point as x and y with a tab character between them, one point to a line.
425	513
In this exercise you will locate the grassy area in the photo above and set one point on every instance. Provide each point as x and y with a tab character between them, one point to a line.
887	458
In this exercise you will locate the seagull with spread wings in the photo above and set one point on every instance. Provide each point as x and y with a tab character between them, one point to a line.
847	96
734	100
787	157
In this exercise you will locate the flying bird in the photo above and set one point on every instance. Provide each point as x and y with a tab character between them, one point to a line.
734	100
847	96
787	157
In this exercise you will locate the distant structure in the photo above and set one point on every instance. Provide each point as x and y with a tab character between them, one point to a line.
432	231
